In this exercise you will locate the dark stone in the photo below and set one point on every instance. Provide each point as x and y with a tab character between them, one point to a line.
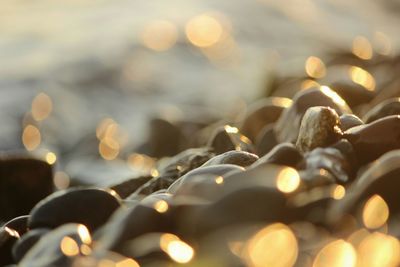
126	188
372	140
261	113
282	154
8	237
288	125
228	138
23	183
386	108
348	121
19	224
89	206
266	140
26	242
240	158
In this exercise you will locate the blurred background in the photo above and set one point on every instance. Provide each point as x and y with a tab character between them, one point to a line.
80	80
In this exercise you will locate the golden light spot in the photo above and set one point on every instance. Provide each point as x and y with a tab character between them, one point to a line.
338	253
178	250
61	180
31	137
338	192
358	236
282	102
333	95
69	247
154	172
51	158
362	77
127	263
108	148
204	30
274	245
86	250
307	84
106	128
382	43
315	67
41	107
288	180
161	206
219	180
84	234
378	250
230	129
159	35
362	48
140	162
375	212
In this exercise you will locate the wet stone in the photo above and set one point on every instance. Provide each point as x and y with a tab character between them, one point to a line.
382	179
126	188
319	128
240	158
26	242
386	108
288	125
8	237
23	182
261	113
58	247
19	224
266	140
229	138
348	121
89	206
208	171
283	154
372	140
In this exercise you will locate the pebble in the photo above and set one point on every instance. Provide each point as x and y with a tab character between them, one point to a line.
319	128
240	158
283	154
370	141
288	125
89	206
266	140
348	121
19	224
385	108
26	242
24	181
8	237
261	113
229	138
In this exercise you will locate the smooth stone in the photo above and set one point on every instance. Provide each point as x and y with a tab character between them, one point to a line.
209	171
348	121
26	242
386	108
288	125
380	178
19	224
47	251
261	113
89	206
240	158
370	141
266	140
129	223
8	237
331	160
247	205
229	138
165	139
282	154
319	128
23	183
126	188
